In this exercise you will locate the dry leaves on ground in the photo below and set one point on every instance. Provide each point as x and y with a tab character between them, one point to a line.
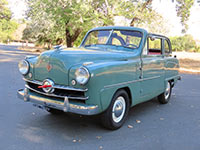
138	121
130	126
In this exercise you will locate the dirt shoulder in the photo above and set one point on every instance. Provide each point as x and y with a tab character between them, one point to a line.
189	62
32	49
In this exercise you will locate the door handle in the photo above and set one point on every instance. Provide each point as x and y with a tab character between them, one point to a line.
141	73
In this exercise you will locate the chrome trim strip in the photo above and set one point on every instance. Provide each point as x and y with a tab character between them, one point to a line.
69	88
118	84
128	82
65	106
48	94
57	86
33	81
150	78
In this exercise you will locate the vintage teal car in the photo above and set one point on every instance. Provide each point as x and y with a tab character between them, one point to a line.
114	69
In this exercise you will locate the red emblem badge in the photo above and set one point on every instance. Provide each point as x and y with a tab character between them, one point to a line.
49	67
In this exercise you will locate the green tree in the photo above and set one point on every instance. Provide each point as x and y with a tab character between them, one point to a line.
141	14
183	11
5	13
69	20
58	19
7	26
183	43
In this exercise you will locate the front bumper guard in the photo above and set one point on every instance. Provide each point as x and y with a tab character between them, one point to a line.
66	106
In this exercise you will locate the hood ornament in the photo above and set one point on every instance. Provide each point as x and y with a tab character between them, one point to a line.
57	47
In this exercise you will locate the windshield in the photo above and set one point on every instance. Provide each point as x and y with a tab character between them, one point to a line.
116	38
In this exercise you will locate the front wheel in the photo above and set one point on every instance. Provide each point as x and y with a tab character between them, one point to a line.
114	117
165	97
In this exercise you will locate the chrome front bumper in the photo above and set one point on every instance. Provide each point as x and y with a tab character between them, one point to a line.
66	106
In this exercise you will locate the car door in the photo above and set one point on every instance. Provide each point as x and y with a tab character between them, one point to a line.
152	71
171	63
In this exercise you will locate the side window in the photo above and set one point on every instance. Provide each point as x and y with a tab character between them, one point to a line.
154	46
166	46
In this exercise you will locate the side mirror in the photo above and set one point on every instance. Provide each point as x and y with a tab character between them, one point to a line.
152	38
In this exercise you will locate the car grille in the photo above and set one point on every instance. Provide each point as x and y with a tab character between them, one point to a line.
59	92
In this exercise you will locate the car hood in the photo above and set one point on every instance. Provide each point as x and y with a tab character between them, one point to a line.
56	64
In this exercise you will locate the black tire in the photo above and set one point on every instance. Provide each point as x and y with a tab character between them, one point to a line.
107	117
54	111
165	96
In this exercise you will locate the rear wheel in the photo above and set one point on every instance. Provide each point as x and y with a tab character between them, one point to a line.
165	97
114	117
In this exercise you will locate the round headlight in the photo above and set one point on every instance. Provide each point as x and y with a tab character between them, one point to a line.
82	75
23	67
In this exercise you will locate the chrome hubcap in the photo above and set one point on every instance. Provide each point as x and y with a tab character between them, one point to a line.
167	91
118	110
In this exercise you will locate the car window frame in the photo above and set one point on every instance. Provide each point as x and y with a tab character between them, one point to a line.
112	30
169	44
162	38
147	43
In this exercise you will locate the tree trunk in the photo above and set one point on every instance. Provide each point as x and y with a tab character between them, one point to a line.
68	38
132	24
49	46
71	38
148	2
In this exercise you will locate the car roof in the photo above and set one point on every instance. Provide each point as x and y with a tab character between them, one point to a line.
120	28
158	35
128	28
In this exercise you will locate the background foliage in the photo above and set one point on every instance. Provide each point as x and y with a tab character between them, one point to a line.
183	11
184	43
7	26
55	21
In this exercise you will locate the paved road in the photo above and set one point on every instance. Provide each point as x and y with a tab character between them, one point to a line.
174	126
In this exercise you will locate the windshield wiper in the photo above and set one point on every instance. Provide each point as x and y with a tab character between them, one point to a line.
93	45
121	46
129	47
88	45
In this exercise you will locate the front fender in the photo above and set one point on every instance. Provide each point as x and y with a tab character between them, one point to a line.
32	61
108	77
